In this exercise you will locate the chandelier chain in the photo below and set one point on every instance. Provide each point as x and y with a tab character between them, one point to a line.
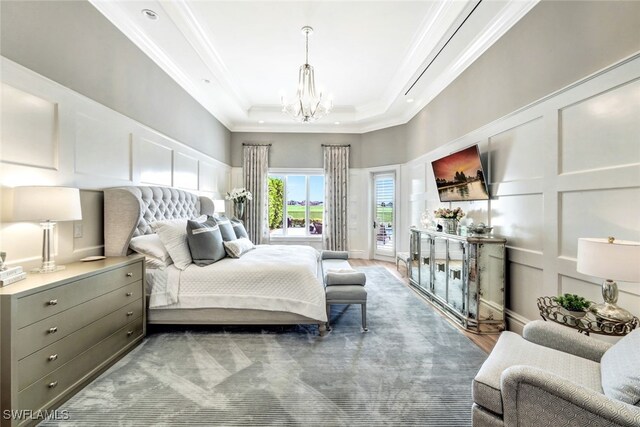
306	50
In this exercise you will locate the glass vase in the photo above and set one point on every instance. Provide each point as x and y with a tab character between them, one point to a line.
449	225
238	209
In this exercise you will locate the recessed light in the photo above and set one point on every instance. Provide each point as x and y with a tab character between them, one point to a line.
207	81
336	123
410	100
261	121
150	14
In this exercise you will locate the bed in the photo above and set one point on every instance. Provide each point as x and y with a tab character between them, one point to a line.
270	285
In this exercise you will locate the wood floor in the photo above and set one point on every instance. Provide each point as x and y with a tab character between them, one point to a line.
485	342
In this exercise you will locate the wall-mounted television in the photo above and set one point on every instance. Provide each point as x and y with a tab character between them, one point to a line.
460	177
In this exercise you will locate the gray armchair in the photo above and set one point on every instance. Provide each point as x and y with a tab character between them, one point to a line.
554	376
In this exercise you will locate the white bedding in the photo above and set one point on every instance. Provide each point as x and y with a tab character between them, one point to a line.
271	277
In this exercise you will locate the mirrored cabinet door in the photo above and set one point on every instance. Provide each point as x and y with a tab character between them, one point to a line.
439	278
425	261
455	276
414	266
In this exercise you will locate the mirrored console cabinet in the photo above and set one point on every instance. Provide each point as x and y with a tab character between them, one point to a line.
462	275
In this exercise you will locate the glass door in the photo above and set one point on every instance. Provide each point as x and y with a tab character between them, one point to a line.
384	190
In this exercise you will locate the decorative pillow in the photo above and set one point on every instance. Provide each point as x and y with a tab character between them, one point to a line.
238	228
620	370
173	234
205	242
236	248
150	245
226	229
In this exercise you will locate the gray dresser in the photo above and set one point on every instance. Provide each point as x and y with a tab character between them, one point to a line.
60	330
464	276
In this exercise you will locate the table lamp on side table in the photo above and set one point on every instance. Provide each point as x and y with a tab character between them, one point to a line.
47	205
611	260
219	206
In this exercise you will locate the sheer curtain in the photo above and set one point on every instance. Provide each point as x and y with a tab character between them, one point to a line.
255	172
336	189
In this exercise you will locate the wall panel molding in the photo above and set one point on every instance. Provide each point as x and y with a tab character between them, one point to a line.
553	181
84	144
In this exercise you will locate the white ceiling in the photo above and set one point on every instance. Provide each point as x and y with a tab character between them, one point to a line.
366	54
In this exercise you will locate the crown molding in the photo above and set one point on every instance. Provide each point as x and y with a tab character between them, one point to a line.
225	100
116	14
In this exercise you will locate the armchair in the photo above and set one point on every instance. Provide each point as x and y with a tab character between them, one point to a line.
555	376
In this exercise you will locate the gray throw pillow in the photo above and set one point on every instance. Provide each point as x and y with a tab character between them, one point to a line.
620	370
226	228
205	242
238	228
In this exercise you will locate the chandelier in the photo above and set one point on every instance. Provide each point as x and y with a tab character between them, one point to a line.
308	105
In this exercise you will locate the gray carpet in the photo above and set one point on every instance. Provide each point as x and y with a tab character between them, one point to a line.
412	368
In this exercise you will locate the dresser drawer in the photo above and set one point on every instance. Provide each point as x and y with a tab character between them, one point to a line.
45	332
56	383
33	308
50	358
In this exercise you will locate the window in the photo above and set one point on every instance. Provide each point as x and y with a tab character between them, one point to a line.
296	204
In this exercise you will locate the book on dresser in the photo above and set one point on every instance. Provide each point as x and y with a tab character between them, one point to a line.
11	275
59	331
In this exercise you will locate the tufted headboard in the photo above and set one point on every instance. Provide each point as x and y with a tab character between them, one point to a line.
128	211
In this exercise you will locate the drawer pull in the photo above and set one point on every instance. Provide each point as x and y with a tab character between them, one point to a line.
129	294
53	330
52	384
129	313
53	302
52	357
129	274
129	333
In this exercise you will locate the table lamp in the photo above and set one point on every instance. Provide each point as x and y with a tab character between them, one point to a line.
218	206
47	205
612	260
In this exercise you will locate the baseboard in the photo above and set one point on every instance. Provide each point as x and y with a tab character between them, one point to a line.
359	254
515	322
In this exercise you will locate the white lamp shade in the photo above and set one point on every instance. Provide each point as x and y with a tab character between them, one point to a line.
46	204
218	206
618	261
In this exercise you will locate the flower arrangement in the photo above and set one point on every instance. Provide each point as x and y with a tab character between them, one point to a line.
456	213
239	195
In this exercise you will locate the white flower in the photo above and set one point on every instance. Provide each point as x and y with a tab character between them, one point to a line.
239	195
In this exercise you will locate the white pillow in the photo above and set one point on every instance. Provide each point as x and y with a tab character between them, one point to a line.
150	245
173	234
235	248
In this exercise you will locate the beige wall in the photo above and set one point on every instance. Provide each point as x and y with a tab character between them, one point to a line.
73	44
294	150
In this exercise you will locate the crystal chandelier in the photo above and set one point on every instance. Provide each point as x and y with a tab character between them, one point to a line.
308	105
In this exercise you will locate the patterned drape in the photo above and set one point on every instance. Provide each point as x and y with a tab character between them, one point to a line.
255	171
336	200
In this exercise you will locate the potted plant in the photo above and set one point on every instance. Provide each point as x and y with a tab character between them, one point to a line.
573	304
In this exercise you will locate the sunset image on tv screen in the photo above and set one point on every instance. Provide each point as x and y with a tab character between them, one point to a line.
460	177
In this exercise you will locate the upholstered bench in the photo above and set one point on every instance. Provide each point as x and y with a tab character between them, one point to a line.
343	284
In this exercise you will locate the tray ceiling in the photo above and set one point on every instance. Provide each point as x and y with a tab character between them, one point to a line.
238	57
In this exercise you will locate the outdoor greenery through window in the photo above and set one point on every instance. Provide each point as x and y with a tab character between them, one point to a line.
296	204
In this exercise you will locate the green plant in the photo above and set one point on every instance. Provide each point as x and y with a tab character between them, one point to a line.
573	302
276	199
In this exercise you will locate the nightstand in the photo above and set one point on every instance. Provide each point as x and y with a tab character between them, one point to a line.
59	331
